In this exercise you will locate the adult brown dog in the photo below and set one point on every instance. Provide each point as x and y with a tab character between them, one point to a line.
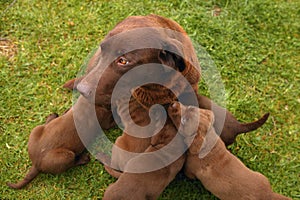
219	171
114	58
56	146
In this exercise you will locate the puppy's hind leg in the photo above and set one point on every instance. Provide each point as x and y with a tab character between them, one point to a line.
59	160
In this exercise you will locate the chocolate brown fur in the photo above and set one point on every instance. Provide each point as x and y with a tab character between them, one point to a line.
100	82
143	186
219	171
133	140
55	146
127	142
149	185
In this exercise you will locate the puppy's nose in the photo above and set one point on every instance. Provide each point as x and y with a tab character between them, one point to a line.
84	89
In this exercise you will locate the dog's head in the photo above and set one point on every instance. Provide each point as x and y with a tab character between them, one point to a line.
126	49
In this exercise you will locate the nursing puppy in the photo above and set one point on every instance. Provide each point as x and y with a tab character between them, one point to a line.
219	171
56	146
146	176
137	115
134	138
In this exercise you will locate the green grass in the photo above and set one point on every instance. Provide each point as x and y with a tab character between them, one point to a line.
254	44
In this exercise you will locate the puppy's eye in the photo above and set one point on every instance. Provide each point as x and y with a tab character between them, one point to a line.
122	61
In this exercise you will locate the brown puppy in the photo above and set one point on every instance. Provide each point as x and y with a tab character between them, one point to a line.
135	183
219	171
56	146
127	142
107	68
134	139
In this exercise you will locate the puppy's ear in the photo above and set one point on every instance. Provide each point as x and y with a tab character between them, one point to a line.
196	144
172	55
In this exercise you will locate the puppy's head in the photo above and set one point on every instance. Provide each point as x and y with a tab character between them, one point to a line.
185	118
189	119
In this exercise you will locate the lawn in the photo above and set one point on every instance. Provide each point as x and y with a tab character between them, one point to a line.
255	46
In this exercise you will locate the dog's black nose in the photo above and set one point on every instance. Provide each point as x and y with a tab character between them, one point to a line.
84	89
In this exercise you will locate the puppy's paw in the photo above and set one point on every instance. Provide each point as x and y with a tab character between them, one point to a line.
174	108
83	159
174	112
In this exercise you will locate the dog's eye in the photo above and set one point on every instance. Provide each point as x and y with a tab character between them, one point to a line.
122	61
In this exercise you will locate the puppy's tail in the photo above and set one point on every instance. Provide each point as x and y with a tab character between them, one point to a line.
247	127
237	128
33	172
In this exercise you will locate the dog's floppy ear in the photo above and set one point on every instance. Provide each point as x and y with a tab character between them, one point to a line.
72	84
172	55
178	56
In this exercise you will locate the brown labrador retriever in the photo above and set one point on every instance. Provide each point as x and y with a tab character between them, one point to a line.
219	171
138	183
56	146
114	58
